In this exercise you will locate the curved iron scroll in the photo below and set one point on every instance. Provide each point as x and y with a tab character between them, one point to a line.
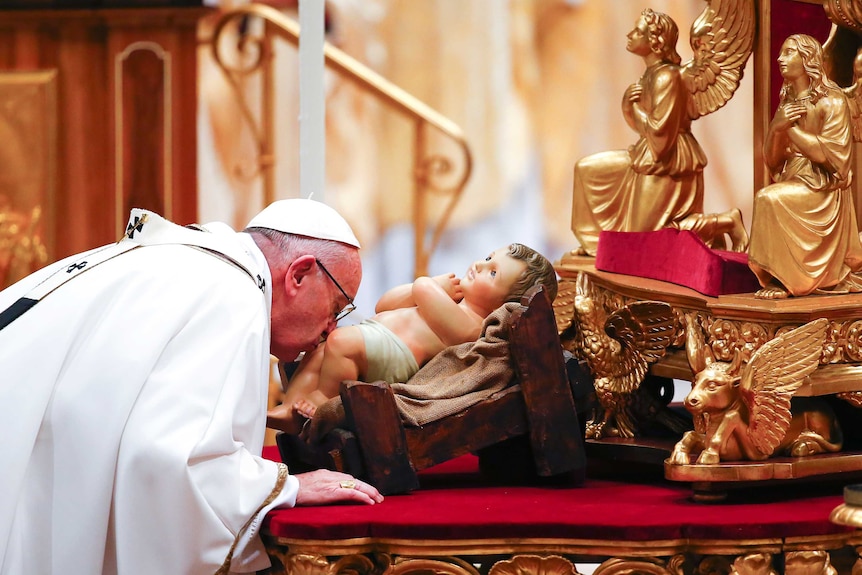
429	169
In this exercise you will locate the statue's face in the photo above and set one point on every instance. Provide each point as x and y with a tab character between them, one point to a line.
790	61
638	39
489	281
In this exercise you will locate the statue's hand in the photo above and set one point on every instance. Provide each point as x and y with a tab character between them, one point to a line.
451	285
787	115
633	93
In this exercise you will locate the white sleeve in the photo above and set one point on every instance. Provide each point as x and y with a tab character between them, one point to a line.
190	467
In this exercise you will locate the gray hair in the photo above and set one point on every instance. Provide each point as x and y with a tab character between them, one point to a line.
290	246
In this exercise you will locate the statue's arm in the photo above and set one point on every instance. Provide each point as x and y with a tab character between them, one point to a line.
777	140
830	145
631	96
660	125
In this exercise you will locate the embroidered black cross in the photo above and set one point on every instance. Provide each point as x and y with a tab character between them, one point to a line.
261	283
74	267
136	226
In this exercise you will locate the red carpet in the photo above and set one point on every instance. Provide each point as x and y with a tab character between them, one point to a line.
455	503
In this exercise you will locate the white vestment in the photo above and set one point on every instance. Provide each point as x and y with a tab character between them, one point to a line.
132	408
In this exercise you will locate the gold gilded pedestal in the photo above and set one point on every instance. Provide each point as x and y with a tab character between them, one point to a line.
849	512
738	325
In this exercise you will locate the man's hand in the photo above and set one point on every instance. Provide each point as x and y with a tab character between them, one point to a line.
323	486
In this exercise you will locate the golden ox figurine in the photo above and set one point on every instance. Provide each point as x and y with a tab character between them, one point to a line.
744	412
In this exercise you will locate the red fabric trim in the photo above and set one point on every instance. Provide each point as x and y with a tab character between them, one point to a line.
455	503
676	256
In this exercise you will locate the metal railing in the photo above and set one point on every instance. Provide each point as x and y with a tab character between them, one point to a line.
429	169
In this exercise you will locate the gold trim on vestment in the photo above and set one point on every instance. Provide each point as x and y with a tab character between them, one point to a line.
279	485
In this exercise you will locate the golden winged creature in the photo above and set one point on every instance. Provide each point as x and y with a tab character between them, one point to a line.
748	412
618	347
658	182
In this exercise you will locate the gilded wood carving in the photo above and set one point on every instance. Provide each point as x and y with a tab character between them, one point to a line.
658	182
618	347
743	412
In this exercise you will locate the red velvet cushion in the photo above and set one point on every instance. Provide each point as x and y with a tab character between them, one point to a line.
678	257
455	503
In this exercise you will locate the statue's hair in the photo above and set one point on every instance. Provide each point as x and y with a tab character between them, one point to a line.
811	53
538	271
663	34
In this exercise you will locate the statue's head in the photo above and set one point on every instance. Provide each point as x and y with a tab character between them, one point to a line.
811	54
663	34
538	271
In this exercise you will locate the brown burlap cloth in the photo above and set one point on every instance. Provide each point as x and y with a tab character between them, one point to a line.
453	380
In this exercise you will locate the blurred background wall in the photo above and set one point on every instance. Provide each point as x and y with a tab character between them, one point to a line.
535	85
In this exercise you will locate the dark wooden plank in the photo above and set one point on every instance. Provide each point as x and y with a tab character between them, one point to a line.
371	412
553	422
483	424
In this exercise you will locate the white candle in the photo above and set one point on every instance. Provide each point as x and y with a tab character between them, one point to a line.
312	106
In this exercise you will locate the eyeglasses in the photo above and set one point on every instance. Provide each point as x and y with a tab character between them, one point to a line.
350	305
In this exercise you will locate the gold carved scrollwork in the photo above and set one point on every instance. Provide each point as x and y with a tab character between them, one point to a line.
836	345
307	565
808	563
842	344
723	338
846	13
729	338
713	565
647	566
313	564
421	566
751	337
853	338
534	565
753	564
373	564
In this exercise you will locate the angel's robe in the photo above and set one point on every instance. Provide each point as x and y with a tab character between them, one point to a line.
657	181
804	231
132	406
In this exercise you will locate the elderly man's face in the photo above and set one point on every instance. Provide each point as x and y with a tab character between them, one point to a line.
304	320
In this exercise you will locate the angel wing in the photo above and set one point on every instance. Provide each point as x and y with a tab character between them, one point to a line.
721	38
773	375
644	330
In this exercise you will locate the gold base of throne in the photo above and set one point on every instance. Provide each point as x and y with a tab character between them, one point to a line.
741	323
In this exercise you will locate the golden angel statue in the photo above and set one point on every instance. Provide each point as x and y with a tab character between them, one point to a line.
743	412
658	182
804	234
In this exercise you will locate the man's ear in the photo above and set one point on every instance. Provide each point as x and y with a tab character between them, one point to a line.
297	271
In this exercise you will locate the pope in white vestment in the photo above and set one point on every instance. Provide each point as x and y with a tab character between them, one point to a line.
132	402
